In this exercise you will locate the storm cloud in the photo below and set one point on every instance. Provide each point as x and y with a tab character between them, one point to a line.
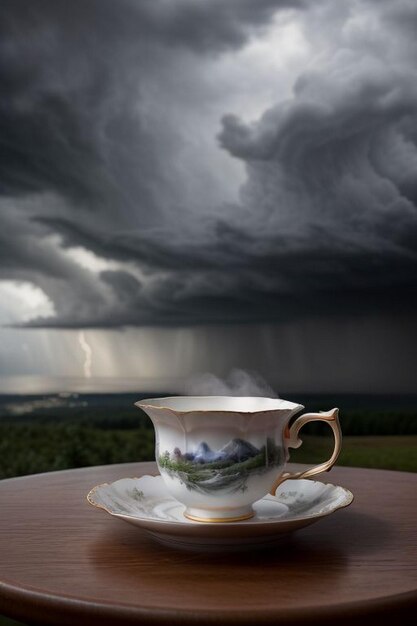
117	139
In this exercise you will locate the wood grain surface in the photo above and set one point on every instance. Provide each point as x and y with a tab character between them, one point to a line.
64	562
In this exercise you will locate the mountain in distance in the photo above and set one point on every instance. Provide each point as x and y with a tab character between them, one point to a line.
237	450
204	454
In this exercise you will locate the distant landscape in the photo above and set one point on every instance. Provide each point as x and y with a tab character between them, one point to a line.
61	431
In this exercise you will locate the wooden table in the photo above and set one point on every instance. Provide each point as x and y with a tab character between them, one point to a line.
64	562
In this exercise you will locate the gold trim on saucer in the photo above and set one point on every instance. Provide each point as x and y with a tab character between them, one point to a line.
194	518
90	495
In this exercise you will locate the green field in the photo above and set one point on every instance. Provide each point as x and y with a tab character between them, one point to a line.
395	452
31	446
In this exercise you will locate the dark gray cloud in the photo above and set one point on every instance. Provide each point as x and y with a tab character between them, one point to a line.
94	133
72	80
334	172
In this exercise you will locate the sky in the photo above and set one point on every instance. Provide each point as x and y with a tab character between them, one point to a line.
196	186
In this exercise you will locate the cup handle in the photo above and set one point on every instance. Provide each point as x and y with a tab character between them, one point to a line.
293	441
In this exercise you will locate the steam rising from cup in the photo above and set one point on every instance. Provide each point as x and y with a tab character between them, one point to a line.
238	383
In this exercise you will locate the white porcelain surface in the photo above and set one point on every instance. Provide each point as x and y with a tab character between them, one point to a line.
145	502
204	445
220	454
246	404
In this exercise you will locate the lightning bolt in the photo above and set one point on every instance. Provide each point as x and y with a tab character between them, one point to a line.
85	347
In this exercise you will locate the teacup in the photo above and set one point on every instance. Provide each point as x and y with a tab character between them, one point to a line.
219	454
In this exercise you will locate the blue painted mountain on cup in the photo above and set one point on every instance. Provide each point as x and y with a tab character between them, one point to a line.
229	468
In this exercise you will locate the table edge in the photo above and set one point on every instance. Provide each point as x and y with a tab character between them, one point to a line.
75	469
141	464
33	603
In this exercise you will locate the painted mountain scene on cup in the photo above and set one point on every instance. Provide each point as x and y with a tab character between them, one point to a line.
229	468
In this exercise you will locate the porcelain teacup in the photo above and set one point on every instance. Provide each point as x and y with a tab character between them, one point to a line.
219	454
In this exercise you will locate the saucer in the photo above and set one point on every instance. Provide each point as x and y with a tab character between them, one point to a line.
145	502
